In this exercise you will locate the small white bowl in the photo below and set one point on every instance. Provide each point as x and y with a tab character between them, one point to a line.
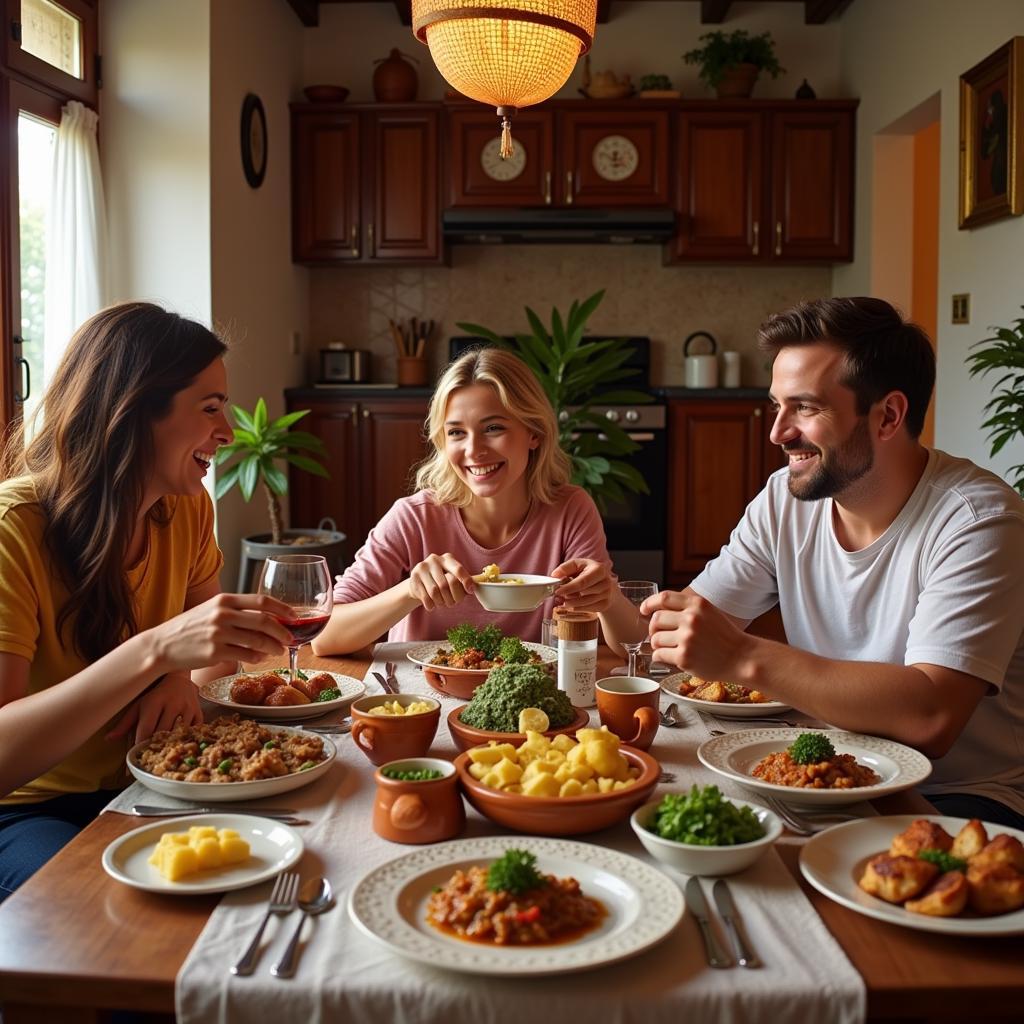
706	860
516	597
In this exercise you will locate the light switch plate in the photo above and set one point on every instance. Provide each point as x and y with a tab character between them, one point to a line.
962	308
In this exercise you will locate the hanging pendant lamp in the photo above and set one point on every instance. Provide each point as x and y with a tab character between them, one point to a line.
507	53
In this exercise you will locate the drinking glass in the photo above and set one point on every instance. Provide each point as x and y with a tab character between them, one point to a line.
636	592
304	583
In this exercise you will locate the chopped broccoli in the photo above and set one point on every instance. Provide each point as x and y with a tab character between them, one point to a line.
811	748
331	693
510	688
512	652
703	817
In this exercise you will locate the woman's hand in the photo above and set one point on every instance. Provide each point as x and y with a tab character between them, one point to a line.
228	627
589	586
439	581
175	698
691	633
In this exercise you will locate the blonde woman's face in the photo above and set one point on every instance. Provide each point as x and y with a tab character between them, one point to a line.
487	446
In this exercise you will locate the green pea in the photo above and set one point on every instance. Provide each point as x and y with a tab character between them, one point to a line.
270	744
191	762
307	766
225	766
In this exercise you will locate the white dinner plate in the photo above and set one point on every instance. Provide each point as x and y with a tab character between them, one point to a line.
735	754
670	685
219	692
833	861
422	654
225	792
389	904
272	848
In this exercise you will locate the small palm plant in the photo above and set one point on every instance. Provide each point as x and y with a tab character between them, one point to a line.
1005	409
259	443
571	369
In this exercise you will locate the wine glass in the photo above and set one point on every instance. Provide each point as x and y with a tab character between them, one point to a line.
304	583
636	592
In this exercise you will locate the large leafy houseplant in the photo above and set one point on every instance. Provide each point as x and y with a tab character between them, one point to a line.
725	50
1005	410
258	444
571	369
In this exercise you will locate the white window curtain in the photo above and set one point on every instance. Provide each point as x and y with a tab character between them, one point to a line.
76	237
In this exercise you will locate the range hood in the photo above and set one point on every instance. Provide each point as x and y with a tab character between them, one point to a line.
485	226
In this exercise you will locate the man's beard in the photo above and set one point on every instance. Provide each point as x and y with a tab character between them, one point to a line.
843	466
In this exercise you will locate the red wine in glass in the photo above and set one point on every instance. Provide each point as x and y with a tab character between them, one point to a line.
304	583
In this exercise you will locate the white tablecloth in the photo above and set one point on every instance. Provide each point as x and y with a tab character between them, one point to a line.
345	976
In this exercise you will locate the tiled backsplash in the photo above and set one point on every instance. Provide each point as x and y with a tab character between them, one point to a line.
490	285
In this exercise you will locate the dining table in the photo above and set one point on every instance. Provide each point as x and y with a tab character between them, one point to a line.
76	944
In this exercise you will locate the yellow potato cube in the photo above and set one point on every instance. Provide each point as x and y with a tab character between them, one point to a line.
590	786
603	757
508	771
478	771
605	785
201	832
577	756
587	735
178	862
536	742
525	756
514	789
623	785
535	768
572	787
555	757
490	754
208	851
492	779
233	849
563	743
563	773
581	772
541	785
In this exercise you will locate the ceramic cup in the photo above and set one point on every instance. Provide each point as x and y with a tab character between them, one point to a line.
628	705
384	738
428	811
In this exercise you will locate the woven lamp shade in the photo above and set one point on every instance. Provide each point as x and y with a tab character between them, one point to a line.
506	53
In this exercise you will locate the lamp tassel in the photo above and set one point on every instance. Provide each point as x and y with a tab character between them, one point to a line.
506	138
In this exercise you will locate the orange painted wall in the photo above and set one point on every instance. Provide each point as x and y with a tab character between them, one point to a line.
924	308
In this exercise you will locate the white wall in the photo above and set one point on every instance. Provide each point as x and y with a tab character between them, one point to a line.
259	296
894	56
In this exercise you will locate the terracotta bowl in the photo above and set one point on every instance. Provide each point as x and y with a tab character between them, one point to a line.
427	811
560	816
465	736
384	738
325	93
461	683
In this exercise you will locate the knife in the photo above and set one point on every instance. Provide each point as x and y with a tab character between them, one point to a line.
152	811
723	900
385	683
716	957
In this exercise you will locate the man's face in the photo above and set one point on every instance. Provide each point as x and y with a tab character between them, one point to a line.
817	424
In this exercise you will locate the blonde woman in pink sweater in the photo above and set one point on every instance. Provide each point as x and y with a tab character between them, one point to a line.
494	490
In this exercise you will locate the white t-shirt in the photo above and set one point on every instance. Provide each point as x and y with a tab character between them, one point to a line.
944	585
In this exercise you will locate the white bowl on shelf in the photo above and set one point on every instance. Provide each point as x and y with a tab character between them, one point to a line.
516	597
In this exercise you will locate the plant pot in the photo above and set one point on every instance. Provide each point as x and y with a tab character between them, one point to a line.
737	81
256	549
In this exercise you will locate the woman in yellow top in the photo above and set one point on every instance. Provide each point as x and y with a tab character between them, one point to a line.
108	573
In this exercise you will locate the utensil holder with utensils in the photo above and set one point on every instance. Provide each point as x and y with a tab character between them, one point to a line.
410	346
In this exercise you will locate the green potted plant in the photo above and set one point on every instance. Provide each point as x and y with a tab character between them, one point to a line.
258	444
730	62
570	368
657	87
1005	410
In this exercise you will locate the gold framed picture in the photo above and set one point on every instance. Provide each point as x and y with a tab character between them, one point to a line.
992	137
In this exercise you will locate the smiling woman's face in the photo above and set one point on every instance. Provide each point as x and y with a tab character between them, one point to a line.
186	438
486	445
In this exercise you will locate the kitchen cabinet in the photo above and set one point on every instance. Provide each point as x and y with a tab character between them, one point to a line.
372	444
765	182
606	156
365	184
720	455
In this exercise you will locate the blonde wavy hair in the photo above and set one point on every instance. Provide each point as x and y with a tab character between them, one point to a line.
523	398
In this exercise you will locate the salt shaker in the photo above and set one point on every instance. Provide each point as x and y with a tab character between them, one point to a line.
731	371
577	655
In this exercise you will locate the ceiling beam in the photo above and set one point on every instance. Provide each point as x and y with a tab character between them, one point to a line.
308	11
817	12
713	12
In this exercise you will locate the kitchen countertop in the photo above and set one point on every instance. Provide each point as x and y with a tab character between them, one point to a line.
673	392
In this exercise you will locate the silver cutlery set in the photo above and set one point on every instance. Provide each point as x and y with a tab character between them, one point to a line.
315	897
698	905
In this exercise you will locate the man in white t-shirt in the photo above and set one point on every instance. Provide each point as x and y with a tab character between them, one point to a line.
898	569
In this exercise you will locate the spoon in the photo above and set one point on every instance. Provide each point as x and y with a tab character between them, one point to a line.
315	897
670	717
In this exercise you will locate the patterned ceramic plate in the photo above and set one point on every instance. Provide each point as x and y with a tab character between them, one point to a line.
389	904
670	685
735	754
218	691
423	654
834	860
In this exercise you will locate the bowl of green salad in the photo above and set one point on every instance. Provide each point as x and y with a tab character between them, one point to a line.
703	833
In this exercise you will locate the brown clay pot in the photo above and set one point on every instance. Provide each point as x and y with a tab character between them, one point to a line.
384	738
738	81
628	706
430	811
395	79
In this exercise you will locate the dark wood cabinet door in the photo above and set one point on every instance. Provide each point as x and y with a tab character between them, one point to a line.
326	186
720	185
313	497
613	158
812	185
716	466
392	444
403	198
477	176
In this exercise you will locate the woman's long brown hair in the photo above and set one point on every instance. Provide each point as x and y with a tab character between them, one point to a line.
91	459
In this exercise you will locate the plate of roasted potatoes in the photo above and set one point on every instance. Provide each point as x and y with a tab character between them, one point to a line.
957	876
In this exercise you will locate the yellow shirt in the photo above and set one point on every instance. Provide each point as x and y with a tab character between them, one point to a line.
181	555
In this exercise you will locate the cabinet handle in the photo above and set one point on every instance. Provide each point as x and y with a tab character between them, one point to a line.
568	188
366	414
757	244
547	188
355	413
369	229
355	239
778	238
757	412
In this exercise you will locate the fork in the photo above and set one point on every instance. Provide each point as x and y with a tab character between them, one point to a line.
803	826
283	900
390	668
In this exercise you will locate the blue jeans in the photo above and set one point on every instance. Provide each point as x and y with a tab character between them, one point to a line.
30	834
967	805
